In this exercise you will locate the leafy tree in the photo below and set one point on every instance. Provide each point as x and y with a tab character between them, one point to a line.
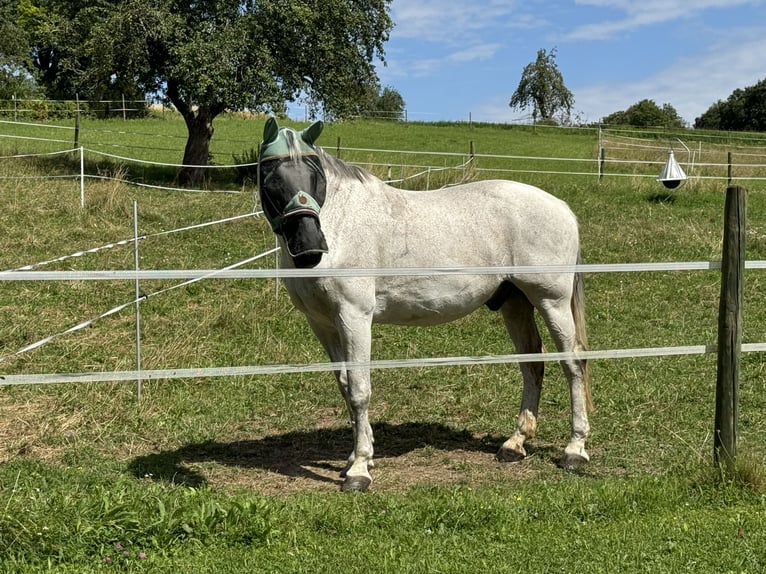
711	119
386	103
542	87
12	38
743	110
54	33
15	81
647	113
207	56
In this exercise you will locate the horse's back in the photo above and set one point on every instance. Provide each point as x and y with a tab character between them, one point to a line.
485	223
482	224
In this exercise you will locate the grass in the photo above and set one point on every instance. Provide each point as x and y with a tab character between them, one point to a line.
651	523
240	473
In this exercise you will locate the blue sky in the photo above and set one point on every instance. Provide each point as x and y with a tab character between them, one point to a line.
452	58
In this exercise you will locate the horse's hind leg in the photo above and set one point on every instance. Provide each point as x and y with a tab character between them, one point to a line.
561	324
518	314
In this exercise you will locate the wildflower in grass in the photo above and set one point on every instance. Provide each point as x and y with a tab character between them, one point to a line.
108	560
142	555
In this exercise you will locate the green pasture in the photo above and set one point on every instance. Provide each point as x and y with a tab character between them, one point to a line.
239	474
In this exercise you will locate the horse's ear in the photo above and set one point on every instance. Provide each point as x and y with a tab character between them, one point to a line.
270	131
311	133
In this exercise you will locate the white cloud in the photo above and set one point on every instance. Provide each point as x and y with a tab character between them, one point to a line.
646	13
690	85
474	53
455	22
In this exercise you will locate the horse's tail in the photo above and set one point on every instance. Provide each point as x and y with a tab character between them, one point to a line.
581	336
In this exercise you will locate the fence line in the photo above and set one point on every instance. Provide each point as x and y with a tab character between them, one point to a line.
234	371
226	272
147	274
600	162
128	242
138	299
193	276
82	175
26	155
134	160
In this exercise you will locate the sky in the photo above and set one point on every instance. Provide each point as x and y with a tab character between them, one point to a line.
463	59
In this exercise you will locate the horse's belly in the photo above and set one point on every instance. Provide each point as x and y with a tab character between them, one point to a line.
431	300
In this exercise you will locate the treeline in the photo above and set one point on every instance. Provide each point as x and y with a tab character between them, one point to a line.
743	110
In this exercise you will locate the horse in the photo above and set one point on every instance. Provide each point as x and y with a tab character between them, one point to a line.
330	214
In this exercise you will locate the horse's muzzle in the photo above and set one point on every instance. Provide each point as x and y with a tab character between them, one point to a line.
304	239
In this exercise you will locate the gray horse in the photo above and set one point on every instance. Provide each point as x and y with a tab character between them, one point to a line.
330	214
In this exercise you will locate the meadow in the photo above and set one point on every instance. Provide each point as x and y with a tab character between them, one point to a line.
240	474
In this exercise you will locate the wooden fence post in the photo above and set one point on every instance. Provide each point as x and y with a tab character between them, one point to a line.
730	327
77	127
601	163
728	171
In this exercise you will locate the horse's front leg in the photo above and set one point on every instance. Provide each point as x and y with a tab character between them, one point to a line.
354	331
345	341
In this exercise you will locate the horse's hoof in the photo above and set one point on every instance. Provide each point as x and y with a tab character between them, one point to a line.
510	455
356	484
572	461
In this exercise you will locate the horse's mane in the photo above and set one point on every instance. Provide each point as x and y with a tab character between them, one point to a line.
339	169
336	167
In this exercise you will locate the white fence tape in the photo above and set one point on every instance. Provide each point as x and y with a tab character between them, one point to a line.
231	272
157	374
133	160
118	308
73	255
123	275
129	241
26	155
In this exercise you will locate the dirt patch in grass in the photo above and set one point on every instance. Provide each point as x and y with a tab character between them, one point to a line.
407	454
24	424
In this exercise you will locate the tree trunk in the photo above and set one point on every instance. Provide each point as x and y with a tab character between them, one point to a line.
197	151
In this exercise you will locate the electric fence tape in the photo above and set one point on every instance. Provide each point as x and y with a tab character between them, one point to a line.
119	308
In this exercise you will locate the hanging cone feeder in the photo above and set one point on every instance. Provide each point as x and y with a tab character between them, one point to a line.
671	175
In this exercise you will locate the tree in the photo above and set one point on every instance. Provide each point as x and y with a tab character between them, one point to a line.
386	104
743	110
207	56
646	113
542	87
15	81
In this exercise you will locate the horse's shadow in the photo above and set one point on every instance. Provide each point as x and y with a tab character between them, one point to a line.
294	454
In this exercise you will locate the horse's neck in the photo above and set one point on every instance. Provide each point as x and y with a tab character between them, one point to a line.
348	195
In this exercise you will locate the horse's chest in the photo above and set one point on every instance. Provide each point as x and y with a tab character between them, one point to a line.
314	297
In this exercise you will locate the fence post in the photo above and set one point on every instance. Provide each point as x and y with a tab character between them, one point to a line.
601	162
77	126
729	167
338	148
730	327
82	177
138	302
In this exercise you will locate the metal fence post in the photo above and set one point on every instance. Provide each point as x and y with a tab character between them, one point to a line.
82	177
138	303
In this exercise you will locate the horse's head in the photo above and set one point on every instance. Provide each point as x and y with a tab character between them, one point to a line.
293	187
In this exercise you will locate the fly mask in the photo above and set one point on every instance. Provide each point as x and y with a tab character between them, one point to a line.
293	188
